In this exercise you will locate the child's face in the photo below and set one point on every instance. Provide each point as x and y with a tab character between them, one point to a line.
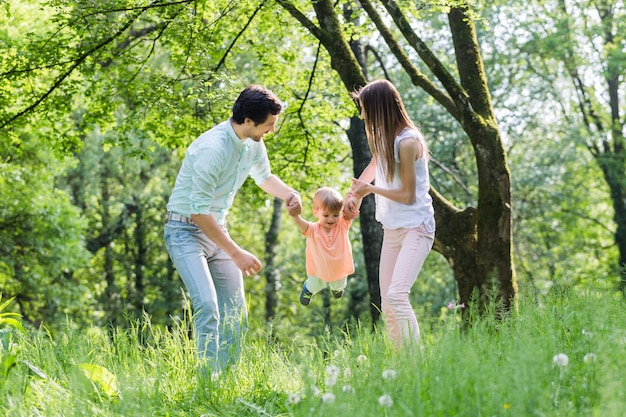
326	217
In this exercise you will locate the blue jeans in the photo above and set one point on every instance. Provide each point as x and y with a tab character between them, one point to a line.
215	287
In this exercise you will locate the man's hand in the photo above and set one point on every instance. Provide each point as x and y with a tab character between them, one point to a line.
293	203
247	262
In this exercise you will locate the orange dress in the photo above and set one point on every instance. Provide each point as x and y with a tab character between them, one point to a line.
329	256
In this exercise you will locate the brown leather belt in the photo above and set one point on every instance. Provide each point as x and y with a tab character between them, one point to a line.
175	217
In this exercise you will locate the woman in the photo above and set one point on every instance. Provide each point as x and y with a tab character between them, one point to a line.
399	169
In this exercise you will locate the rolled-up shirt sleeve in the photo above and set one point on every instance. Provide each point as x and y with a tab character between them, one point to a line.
207	168
261	170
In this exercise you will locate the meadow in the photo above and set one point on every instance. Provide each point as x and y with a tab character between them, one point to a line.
560	355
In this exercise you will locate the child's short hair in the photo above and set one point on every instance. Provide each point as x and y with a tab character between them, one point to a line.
327	198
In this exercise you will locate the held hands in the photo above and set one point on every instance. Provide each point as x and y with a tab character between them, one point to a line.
352	203
350	207
293	203
360	188
247	262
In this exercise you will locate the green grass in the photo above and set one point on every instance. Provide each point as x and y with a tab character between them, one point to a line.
497	368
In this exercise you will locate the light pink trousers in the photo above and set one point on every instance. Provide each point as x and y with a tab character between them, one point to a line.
401	258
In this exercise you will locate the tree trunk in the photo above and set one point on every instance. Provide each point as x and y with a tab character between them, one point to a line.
494	242
271	273
457	242
140	261
371	230
612	165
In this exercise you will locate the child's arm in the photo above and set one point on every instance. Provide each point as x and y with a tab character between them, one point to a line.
302	224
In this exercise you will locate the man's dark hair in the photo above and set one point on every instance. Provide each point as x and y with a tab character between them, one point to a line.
256	103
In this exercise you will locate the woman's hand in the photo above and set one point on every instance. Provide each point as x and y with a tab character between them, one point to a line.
360	188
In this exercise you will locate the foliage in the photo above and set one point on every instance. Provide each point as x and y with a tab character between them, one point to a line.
559	350
563	217
9	322
41	233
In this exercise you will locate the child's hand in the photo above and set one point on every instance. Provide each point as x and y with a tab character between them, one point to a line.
293	203
351	206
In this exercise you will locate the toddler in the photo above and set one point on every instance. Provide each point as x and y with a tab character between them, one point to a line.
328	249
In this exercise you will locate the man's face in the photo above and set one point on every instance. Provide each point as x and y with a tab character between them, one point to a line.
257	132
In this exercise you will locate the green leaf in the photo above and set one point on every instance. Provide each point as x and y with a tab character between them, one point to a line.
102	377
7	363
41	374
11	322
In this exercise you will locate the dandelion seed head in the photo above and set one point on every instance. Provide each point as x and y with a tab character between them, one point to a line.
361	359
328	398
385	400
293	398
590	357
389	374
347	373
560	360
332	371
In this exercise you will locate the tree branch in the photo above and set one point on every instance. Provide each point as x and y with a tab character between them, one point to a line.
241	32
76	63
417	77
368	48
300	17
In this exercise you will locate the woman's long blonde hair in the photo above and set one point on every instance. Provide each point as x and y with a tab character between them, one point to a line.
383	112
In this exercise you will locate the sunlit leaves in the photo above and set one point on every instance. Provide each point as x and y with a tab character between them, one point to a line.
102	378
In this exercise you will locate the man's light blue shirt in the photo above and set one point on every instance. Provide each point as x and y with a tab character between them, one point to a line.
216	165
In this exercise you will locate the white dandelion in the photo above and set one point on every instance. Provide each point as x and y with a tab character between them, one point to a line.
332	371
385	400
561	359
328	398
590	357
361	359
293	398
389	374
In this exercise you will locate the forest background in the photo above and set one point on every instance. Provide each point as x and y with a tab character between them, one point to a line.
98	101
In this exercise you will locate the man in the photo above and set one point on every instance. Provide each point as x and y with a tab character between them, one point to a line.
209	262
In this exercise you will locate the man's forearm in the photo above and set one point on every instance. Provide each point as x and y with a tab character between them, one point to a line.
213	231
276	187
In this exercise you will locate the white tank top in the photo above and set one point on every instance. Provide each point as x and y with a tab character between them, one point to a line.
394	215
